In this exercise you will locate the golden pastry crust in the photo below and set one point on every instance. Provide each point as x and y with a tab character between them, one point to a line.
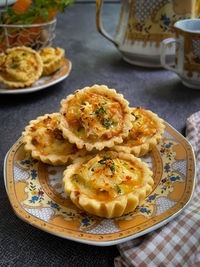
52	58
22	67
147	130
45	142
95	117
109	184
2	60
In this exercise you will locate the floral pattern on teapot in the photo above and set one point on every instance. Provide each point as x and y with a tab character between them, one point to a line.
153	20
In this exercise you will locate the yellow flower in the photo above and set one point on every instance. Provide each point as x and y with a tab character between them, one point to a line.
167	150
168	183
34	193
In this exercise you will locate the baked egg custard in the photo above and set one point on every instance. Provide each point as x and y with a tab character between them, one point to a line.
45	142
95	117
108	184
52	58
147	130
22	67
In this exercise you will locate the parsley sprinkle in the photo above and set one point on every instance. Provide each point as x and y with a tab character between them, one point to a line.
107	123
100	110
136	117
119	191
108	162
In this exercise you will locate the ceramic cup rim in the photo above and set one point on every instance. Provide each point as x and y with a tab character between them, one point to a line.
190	21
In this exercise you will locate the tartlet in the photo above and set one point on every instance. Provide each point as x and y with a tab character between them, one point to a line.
95	117
52	58
147	130
45	142
108	184
22	67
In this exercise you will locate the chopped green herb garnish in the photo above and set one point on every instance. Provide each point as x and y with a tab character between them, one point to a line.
112	168
100	110
108	162
107	123
104	103
136	117
119	191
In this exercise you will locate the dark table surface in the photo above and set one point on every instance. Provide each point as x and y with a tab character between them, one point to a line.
95	61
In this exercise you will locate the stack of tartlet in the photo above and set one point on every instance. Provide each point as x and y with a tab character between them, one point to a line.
22	66
99	138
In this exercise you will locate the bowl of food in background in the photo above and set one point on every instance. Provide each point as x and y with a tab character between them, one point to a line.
30	23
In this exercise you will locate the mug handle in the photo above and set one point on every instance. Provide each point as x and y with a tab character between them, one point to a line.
98	22
164	45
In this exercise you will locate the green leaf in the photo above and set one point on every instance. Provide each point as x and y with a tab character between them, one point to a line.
44	14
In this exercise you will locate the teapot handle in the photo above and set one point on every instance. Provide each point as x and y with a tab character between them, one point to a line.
98	22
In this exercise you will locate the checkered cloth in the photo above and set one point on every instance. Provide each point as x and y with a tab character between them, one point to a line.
177	243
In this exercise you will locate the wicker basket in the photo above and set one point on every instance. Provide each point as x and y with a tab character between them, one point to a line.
35	36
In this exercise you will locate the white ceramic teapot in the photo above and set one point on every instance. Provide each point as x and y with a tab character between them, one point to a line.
144	24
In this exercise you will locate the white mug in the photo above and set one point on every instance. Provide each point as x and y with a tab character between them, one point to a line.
187	54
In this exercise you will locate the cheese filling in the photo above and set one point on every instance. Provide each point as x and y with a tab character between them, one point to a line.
48	139
95	116
49	54
105	178
21	65
144	128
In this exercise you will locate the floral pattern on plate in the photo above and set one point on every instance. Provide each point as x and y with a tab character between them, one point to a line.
37	195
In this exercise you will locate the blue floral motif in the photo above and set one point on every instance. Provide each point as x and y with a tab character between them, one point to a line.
144	210
53	205
85	221
152	197
168	145
166	20
34	199
33	174
173	178
167	167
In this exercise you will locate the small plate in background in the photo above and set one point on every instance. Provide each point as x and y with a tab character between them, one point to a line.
43	82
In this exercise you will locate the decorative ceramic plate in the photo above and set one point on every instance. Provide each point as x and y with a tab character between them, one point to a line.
36	194
43	82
